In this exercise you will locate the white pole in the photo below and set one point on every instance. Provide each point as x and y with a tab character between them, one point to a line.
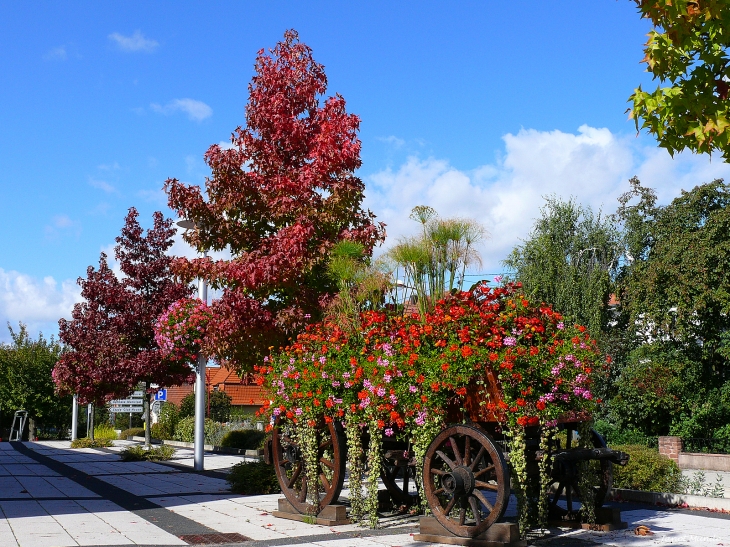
200	394
75	418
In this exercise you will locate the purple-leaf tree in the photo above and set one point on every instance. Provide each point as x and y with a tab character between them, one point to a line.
110	338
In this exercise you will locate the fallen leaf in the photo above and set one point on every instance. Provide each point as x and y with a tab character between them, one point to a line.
643	531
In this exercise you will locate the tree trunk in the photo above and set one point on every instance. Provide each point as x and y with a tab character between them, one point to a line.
148	415
31	429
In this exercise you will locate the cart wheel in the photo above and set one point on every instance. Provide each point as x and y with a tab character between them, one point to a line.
398	472
289	465
566	480
465	480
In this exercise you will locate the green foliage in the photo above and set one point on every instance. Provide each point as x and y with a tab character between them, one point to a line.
140	453
187	406
687	49
26	382
252	478
647	470
618	435
706	414
245	439
220	406
568	261
435	262
651	390
185	430
133	432
169	416
85	442
676	287
105	431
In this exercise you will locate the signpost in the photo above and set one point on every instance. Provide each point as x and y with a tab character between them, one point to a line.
132	404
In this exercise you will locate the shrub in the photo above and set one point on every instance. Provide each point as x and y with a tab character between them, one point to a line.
133	432
157	431
245	439
91	443
185	430
105	432
187	406
647	470
615	435
220	406
140	453
253	478
169	417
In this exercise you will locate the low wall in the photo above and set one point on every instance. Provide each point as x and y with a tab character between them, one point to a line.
671	447
671	500
709	462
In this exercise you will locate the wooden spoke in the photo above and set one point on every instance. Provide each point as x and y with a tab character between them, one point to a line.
449	506
482	471
446	459
327	463
467	450
435	471
438	491
325	482
462	515
485	501
479	457
455	448
303	492
475	509
486	486
295	475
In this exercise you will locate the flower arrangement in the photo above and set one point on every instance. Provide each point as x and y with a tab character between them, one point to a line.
399	374
180	330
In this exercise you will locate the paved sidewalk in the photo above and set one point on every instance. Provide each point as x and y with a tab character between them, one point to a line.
51	495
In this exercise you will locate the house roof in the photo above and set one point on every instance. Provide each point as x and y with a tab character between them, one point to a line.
242	390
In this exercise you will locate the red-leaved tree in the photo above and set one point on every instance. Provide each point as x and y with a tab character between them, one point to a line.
110	338
279	199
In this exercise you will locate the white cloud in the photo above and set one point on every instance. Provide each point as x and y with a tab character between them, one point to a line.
196	110
393	141
592	165
102	185
135	42
56	54
61	225
39	303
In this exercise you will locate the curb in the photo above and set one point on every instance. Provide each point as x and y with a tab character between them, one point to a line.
671	500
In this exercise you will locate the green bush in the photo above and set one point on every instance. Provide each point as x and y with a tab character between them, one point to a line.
133	432
220	406
647	470
140	453
187	406
253	478
245	439
185	430
105	431
169	417
157	432
91	443
615	435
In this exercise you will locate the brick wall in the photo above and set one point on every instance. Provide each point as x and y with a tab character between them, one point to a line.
670	447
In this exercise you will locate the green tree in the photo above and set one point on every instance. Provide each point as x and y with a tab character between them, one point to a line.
569	260
687	49
187	406
220	406
675	286
26	383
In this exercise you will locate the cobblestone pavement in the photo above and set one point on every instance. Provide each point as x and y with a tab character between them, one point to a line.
52	496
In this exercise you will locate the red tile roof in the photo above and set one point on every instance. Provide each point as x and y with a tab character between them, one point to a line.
243	391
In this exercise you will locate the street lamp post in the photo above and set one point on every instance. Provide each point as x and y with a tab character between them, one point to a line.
75	418
200	394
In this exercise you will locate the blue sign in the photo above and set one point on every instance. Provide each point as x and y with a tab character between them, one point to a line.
161	395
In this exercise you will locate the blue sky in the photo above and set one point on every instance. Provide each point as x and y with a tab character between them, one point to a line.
475	108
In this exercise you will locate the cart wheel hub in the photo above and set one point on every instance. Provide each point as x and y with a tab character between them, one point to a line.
460	482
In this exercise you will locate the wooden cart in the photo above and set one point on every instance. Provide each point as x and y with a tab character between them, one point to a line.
466	477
